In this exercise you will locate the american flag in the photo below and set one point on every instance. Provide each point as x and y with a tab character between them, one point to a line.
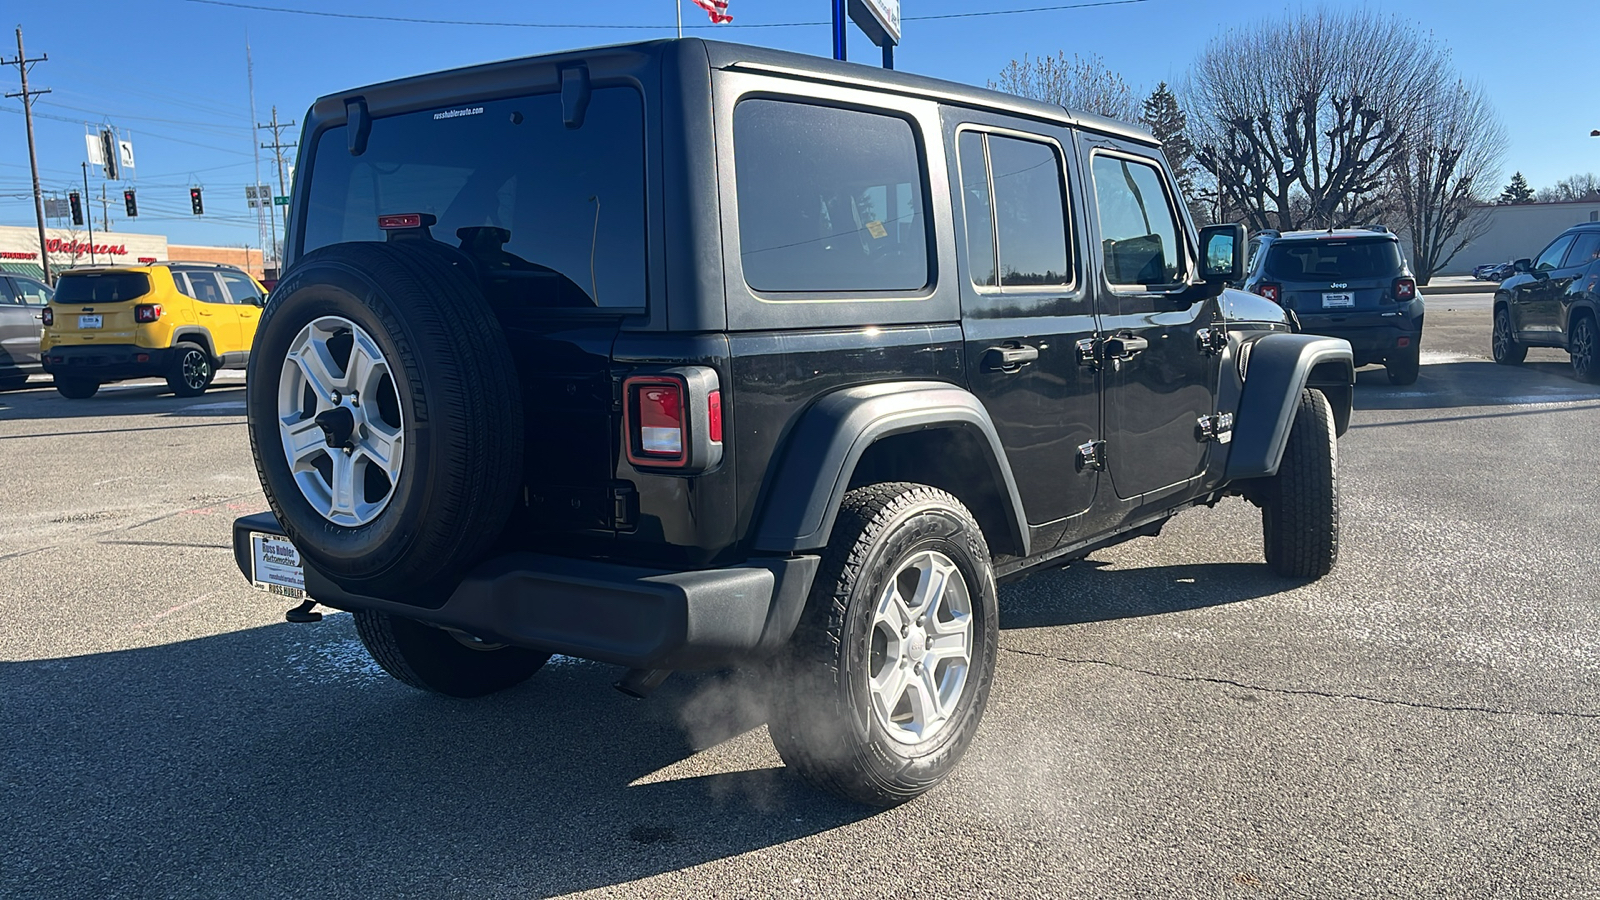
716	9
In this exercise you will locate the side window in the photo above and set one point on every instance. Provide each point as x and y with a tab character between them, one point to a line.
1138	227
182	285
8	297
829	199
205	287
1552	255
1585	250
31	292
1026	210
241	289
1254	254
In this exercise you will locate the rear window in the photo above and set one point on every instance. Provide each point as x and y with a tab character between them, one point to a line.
101	287
556	215
1320	260
829	199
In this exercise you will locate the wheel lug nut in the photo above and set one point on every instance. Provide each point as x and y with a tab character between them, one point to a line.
917	668
337	397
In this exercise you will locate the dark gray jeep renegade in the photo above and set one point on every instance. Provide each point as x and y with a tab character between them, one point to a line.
685	355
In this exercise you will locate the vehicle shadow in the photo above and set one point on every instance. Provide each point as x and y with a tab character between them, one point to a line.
1449	385
1087	591
279	761
40	401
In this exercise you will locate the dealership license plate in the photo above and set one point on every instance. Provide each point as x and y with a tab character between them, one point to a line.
1338	301
275	566
88	321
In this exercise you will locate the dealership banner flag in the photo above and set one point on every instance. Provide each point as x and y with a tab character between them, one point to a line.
716	9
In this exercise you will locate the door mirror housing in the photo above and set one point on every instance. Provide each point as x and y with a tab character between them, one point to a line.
1222	254
1522	265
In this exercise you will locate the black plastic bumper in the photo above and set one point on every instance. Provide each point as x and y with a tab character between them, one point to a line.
106	362
631	616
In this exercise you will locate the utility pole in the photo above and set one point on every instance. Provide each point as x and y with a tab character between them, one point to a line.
105	209
268	216
277	147
23	64
88	212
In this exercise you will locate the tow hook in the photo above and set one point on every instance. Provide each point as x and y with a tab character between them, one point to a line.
303	613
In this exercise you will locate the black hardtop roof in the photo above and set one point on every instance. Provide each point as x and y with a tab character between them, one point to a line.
723	55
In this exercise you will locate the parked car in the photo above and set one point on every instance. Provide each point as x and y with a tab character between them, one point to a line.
1351	283
1494	271
22	302
682	355
178	321
1553	301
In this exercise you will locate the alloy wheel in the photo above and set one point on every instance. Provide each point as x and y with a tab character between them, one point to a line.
921	647
195	370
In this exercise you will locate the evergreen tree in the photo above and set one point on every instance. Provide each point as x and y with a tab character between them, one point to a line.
1516	192
1168	122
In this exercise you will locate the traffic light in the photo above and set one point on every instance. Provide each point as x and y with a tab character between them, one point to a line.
76	203
132	204
195	203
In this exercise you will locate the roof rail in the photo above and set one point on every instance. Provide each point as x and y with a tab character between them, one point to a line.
1381	229
1272	232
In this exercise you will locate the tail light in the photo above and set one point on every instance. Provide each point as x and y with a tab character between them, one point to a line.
673	419
1405	289
48	316
147	312
1273	292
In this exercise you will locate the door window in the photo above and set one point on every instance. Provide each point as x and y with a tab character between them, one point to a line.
7	296
31	292
829	199
1138	225
1585	249
241	288
1552	255
205	287
179	283
1017	194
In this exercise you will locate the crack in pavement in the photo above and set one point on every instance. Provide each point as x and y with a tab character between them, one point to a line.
1305	692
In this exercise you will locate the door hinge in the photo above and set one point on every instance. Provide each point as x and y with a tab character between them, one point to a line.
1211	340
1089	352
1215	427
624	506
1092	456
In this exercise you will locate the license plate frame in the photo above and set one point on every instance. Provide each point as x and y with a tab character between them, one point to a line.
94	321
275	566
1339	300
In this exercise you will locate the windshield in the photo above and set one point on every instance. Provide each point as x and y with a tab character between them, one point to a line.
1322	260
554	214
101	287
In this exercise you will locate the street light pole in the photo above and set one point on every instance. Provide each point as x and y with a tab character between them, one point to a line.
88	212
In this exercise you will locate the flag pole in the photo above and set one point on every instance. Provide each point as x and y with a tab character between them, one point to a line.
679	5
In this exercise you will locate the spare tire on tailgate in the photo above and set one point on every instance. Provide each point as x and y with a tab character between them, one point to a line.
385	418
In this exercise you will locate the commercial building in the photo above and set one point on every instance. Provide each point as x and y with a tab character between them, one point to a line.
72	247
1518	231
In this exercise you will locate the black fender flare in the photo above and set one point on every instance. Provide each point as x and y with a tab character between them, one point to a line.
189	332
1279	366
805	490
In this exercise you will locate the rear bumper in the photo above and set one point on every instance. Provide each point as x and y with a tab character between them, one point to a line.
1371	337
106	362
631	616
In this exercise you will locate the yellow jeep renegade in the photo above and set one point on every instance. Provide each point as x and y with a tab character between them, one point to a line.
179	321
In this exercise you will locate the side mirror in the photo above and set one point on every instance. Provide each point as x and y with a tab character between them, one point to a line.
1522	265
261	300
1222	254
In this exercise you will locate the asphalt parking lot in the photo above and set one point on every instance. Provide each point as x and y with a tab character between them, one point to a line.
1168	718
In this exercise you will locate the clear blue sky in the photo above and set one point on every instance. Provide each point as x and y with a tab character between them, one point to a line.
173	72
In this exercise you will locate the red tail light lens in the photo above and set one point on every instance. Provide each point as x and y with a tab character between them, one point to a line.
147	312
1405	289
1272	292
48	316
655	421
714	416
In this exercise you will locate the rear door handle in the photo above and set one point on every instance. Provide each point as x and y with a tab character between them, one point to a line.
1008	359
1123	346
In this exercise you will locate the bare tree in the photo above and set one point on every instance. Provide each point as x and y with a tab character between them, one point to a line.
1081	84
1576	187
1296	120
1444	175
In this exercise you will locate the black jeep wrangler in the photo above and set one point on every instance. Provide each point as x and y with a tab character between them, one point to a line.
683	355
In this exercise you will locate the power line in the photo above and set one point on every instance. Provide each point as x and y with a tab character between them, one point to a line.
663	27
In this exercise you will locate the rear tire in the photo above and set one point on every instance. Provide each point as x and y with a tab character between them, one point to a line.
439	661
1583	347
887	675
1403	366
1503	343
192	370
1300	515
74	389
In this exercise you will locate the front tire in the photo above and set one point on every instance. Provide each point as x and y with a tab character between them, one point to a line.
192	371
443	662
1300	515
1503	343
1583	347
888	673
74	389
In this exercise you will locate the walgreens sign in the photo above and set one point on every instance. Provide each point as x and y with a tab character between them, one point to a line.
76	248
